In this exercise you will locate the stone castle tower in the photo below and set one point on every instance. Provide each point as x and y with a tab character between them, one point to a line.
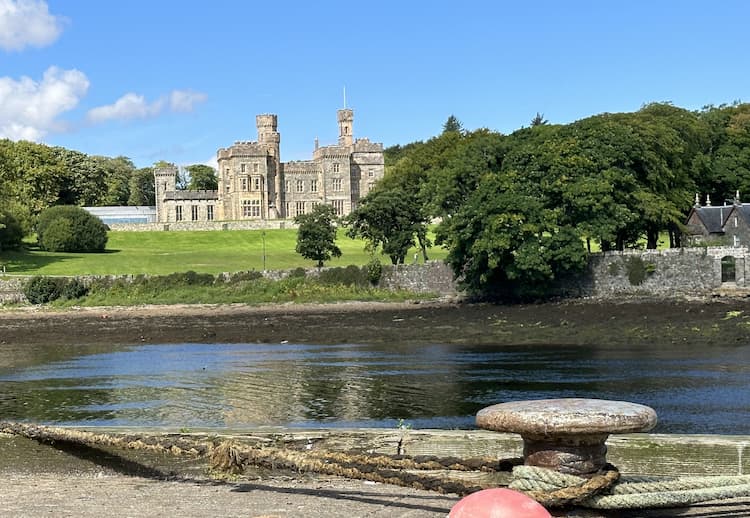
254	184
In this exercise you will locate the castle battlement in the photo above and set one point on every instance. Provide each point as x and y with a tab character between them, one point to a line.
255	184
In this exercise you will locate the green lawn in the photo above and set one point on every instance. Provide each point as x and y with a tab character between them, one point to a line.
168	252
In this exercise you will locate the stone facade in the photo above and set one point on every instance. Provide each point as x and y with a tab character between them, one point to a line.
254	185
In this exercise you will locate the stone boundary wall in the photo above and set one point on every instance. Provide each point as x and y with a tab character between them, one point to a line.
669	273
272	224
432	277
11	290
662	273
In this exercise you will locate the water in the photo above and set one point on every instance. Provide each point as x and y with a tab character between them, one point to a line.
694	390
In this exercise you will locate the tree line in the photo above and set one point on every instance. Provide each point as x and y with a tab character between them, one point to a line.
36	176
518	212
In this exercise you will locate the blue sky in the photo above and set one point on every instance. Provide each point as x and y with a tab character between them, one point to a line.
167	80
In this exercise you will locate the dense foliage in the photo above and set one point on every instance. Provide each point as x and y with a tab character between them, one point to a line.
65	228
517	211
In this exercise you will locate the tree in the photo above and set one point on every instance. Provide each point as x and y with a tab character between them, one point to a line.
202	178
452	124
389	219
505	241
316	235
65	228
142	187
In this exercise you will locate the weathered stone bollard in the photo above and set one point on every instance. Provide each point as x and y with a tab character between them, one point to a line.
567	435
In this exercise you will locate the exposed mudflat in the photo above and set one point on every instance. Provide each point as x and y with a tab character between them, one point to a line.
566	323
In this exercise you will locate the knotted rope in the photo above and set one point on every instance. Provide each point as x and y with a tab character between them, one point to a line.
609	491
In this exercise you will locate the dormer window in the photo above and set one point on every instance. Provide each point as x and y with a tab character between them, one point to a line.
736	222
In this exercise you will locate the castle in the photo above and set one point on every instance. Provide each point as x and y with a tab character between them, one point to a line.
254	184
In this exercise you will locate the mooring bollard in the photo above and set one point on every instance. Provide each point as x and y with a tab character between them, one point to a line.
567	435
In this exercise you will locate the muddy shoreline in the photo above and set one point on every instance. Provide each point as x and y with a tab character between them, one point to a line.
579	322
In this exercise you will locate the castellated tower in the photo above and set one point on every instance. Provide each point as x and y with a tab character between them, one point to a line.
346	126
269	137
165	180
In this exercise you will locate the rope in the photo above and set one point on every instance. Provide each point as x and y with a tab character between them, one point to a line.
605	490
228	456
554	489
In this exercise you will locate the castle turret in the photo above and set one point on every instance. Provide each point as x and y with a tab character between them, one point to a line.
165	180
346	126
269	137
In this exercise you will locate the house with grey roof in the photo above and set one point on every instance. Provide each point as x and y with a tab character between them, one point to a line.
727	224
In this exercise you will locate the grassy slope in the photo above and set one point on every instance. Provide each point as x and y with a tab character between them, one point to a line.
167	252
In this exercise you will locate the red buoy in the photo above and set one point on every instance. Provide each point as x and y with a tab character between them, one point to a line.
498	503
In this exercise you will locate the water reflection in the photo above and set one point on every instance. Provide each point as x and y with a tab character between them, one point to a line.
242	385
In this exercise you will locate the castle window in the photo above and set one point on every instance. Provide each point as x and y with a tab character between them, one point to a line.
250	208
336	184
287	209
256	183
735	222
242	168
336	168
194	212
210	212
287	186
300	186
314	204
338	207
255	168
178	213
313	185
371	172
244	184
300	207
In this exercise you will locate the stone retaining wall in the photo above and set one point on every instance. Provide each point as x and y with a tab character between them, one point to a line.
204	225
657	273
663	273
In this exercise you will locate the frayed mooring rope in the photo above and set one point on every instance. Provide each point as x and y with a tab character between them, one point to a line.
232	457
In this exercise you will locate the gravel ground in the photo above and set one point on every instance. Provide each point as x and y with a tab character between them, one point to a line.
40	480
115	496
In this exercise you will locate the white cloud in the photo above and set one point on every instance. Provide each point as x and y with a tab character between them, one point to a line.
134	106
30	109
27	23
129	106
185	100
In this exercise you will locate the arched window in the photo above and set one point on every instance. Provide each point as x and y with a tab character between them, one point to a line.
727	269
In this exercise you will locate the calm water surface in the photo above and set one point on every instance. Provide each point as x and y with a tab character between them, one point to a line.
694	390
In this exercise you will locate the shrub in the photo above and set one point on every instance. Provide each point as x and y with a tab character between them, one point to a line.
74	289
66	228
40	290
349	276
639	270
298	273
374	271
11	231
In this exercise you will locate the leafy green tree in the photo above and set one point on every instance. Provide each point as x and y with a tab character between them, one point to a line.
505	241
202	178
11	231
389	220
316	234
66	228
142	188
